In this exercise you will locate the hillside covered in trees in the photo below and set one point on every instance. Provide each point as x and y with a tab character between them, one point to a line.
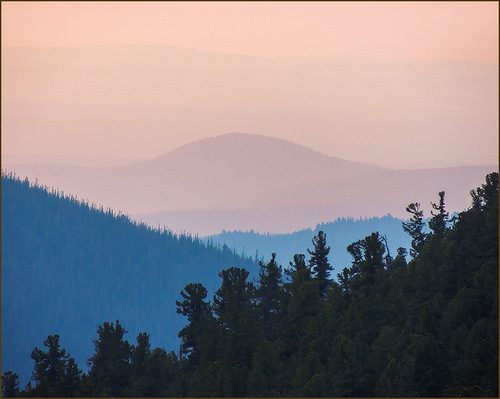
384	327
342	232
67	266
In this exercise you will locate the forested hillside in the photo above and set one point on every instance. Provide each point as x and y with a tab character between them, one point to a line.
342	232
386	327
67	266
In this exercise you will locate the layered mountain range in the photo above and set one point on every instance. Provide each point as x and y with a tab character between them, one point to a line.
242	181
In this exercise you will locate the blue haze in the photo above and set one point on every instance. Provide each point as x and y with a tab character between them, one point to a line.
68	267
340	233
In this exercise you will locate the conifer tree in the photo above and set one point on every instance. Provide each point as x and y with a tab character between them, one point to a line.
318	262
198	312
270	297
110	366
439	221
140	354
10	385
298	272
233	301
235	312
415	228
72	378
54	372
487	193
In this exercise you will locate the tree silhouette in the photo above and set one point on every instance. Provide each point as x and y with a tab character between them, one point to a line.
54	372
318	262
415	228
10	385
110	366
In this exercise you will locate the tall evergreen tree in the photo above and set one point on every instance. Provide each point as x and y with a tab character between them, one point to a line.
439	221
298	272
54	372
415	228
140	354
302	291
235	311
72	379
197	310
318	262
110	366
368	259
487	193
233	301
270	297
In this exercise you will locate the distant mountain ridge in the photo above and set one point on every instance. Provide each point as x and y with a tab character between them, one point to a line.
199	175
340	233
245	181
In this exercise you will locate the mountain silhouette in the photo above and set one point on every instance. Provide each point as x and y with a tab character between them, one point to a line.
202	174
243	181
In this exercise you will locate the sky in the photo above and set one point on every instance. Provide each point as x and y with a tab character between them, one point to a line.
364	81
416	30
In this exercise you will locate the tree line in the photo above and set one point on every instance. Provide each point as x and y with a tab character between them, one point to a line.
423	323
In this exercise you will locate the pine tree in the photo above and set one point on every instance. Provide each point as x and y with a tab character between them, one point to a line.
270	297
318	262
368	260
140	354
233	301
439	221
298	272
54	372
110	366
415	228
198	313
236	314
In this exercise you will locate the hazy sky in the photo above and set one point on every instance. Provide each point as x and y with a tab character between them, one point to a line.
426	30
387	83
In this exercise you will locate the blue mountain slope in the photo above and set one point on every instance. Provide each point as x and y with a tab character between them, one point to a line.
67	267
340	233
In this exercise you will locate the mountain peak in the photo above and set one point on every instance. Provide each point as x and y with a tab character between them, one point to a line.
249	136
207	173
246	143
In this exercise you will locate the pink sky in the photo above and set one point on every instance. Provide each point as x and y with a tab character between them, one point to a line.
398	84
389	78
416	30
